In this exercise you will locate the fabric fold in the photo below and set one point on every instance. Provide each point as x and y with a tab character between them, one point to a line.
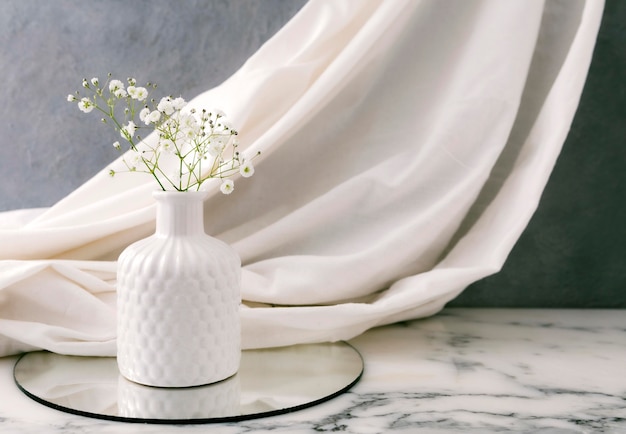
404	147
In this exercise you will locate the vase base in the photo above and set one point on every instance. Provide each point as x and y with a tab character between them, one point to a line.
172	383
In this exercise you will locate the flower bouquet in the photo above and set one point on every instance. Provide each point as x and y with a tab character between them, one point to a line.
191	147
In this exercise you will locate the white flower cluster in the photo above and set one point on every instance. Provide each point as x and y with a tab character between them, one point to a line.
194	142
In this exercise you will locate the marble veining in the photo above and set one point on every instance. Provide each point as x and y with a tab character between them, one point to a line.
462	371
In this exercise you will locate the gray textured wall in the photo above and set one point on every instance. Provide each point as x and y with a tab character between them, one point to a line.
572	254
47	147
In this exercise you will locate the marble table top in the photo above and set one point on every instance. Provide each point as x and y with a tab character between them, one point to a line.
462	371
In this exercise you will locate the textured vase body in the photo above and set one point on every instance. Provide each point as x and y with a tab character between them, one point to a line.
178	297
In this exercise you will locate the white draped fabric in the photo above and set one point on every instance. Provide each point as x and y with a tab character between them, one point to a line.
405	145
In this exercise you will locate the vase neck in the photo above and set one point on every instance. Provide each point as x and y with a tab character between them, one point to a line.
179	213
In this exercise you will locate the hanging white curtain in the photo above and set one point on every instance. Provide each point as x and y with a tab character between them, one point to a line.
405	145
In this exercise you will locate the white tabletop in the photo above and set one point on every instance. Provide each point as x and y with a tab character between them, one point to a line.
462	371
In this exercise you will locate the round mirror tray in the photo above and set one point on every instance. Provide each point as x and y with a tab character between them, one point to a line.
269	382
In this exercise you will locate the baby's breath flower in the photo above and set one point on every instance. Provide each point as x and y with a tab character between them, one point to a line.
202	143
142	93
188	122
166	106
246	169
227	186
167	145
143	114
215	147
85	105
179	103
128	131
138	93
153	117
115	85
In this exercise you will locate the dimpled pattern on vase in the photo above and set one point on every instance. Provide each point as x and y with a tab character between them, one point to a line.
178	306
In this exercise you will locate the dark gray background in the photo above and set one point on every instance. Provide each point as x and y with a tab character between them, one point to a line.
571	255
573	252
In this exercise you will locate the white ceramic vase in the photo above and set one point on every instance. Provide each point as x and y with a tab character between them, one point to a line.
178	297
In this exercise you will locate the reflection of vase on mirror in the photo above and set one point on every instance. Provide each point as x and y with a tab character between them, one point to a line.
205	402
